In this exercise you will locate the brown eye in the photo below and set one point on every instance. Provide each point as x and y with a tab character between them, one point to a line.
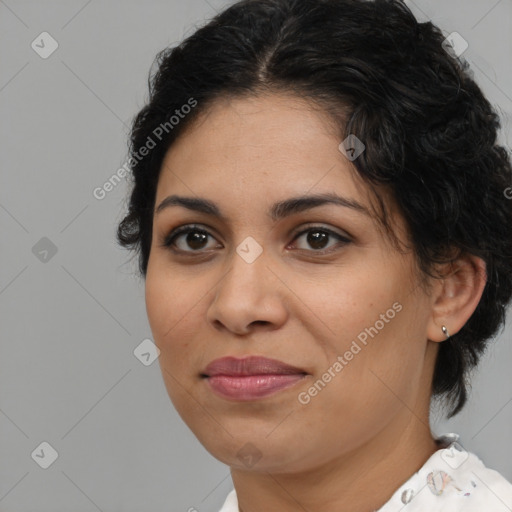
318	239
187	239
193	239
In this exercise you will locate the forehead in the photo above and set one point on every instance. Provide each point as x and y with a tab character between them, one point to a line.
256	142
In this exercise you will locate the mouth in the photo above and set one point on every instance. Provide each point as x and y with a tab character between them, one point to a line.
250	378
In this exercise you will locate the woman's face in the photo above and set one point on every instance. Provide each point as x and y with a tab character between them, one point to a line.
347	311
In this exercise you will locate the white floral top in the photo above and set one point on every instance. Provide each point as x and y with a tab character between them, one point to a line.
452	480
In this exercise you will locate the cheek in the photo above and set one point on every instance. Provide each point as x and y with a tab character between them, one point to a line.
379	376
346	309
378	383
170	304
369	322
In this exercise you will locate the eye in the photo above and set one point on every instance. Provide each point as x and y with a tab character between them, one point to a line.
195	238
318	237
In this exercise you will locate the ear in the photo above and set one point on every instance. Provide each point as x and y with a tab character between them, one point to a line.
456	295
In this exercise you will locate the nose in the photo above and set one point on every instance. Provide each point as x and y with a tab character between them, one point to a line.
249	296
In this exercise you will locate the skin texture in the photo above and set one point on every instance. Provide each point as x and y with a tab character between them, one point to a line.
368	428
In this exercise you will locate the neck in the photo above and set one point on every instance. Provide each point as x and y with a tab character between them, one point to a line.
365	478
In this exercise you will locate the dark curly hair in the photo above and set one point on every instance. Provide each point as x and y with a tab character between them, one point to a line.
430	134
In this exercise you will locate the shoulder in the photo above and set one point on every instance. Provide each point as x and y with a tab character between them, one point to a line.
486	488
231	503
453	480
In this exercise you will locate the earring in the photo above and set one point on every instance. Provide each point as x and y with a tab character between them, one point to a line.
445	330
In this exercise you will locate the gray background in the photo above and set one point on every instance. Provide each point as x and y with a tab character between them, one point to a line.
70	324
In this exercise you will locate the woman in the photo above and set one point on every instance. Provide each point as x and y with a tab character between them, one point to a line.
319	208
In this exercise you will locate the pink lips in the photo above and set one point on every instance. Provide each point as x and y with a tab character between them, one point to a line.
250	378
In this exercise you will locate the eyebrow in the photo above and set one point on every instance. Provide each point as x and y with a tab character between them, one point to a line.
277	211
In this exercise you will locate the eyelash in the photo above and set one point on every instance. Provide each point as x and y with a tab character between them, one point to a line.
169	240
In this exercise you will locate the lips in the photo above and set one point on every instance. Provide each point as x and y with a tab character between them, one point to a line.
252	365
250	378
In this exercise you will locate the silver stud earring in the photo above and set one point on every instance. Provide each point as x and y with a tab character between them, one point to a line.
445	330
